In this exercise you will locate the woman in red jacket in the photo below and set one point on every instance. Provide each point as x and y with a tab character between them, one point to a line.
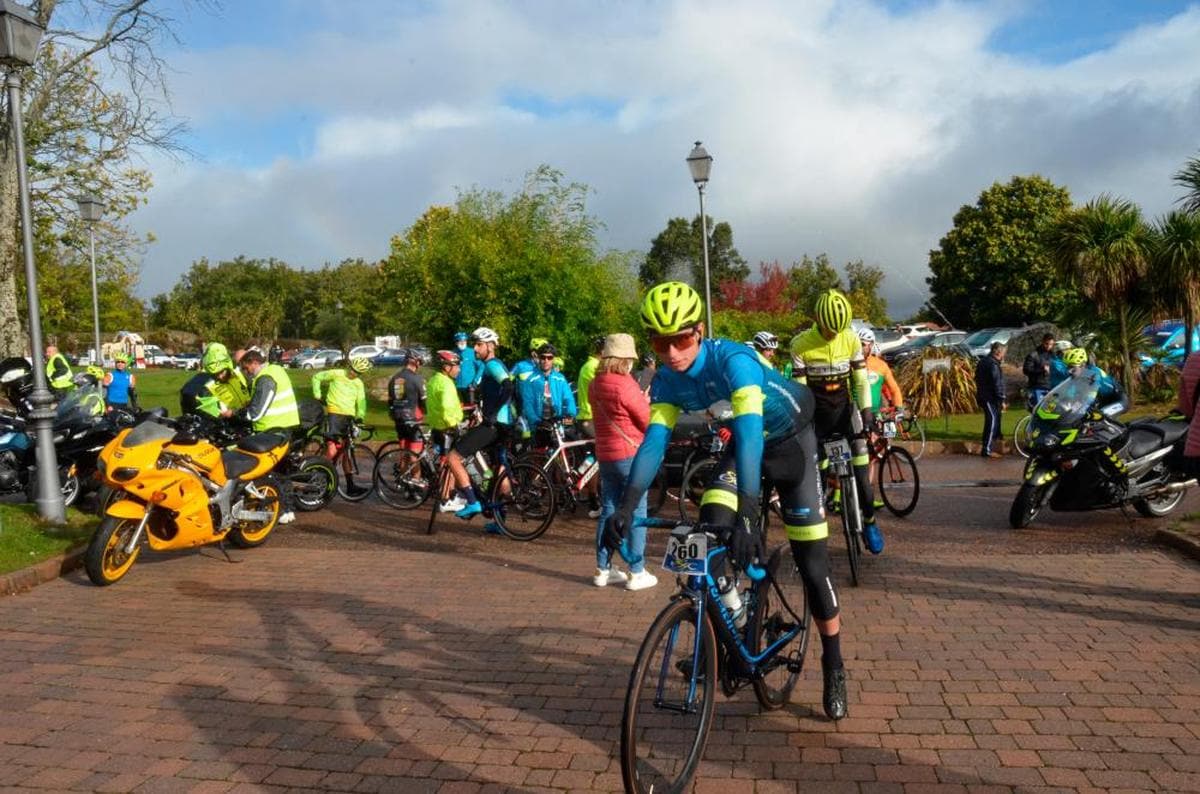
621	413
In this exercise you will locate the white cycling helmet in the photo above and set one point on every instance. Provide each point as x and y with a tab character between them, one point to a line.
765	340
866	335
484	334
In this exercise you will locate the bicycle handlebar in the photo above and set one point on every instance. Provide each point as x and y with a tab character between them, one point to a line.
753	570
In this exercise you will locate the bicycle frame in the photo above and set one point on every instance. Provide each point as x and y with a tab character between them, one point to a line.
575	481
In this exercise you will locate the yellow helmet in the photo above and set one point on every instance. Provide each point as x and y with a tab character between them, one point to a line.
1075	356
833	312
537	342
216	358
361	364
671	307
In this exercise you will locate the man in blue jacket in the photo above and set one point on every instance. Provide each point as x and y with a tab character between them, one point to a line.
545	393
470	371
989	391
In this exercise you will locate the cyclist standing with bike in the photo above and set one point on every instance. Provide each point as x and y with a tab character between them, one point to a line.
586	373
829	359
272	406
445	411
772	435
468	373
545	393
345	400
495	402
883	386
406	401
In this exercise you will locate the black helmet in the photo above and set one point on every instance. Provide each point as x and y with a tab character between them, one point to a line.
547	349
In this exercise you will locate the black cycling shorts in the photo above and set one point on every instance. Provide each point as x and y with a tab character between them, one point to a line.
337	426
480	438
408	431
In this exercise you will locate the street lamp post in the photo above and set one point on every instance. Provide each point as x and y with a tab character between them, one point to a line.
700	163
20	35
91	208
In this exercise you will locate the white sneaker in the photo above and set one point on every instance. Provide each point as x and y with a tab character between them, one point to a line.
452	505
286	518
641	580
594	513
605	575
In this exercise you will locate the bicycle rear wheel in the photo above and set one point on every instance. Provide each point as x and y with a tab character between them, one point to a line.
1021	439
910	434
355	483
669	702
443	487
314	484
773	618
851	524
522	500
403	479
899	482
695	480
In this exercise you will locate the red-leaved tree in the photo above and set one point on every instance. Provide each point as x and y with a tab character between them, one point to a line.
768	293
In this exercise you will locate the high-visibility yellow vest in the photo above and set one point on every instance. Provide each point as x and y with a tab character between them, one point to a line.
283	410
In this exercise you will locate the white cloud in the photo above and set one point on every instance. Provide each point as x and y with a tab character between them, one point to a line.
835	127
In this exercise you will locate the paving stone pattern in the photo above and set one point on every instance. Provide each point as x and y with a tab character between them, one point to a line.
406	671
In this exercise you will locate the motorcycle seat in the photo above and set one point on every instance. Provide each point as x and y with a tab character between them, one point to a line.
262	442
1147	436
237	463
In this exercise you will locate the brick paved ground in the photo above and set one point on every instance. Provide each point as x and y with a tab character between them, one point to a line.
503	670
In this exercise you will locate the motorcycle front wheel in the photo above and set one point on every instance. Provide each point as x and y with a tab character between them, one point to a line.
105	559
1029	502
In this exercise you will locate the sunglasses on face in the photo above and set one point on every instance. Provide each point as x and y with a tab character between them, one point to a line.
546	358
681	341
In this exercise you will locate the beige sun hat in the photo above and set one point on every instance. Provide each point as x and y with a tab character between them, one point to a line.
618	346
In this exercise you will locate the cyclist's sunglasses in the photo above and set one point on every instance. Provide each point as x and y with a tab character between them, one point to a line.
683	340
546	358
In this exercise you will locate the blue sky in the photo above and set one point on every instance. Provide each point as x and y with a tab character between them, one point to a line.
852	128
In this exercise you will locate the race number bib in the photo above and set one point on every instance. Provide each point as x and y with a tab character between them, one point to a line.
687	553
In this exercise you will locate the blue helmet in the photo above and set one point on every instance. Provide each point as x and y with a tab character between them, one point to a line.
461	336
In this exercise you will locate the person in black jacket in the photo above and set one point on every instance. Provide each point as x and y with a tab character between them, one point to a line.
989	391
1037	367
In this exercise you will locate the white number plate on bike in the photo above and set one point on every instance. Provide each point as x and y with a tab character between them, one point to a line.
889	429
837	450
687	555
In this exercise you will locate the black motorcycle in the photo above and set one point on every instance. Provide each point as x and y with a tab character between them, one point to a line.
1083	458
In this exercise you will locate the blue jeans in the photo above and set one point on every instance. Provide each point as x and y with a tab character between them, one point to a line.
612	483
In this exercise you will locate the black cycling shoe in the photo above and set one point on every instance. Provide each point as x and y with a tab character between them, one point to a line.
834	698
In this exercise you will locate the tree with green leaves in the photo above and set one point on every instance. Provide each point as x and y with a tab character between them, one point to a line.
525	265
1102	249
808	278
1176	263
235	301
992	267
675	254
82	128
1188	178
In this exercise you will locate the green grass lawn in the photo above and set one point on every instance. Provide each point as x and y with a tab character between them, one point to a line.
160	387
969	427
26	540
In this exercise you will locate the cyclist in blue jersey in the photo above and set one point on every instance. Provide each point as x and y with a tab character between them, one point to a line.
772	437
495	401
468	376
1073	362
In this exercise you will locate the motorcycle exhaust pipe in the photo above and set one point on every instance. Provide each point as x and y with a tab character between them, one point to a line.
1172	487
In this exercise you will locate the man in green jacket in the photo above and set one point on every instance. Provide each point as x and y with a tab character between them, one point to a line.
345	399
58	372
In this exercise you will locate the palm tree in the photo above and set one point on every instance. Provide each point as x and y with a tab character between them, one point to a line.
1177	258
1188	178
1104	248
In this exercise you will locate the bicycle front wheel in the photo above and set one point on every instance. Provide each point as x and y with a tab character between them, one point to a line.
403	479
522	500
1021	439
851	524
782	608
899	482
910	434
669	703
314	484
357	466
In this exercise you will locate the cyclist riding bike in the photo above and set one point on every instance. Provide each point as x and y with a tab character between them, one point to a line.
772	436
495	403
883	385
829	358
345	400
1074	361
444	410
406	401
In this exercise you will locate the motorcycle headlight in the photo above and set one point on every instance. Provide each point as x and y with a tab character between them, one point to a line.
1046	441
124	473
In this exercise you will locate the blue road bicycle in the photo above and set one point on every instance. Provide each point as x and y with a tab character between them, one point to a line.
696	641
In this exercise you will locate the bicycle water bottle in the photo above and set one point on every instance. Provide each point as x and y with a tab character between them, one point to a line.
586	466
485	471
732	600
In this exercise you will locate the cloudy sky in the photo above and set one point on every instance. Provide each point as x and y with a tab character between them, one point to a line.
854	128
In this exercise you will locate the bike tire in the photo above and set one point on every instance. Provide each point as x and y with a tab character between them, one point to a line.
669	702
1021	439
403	479
357	483
525	511
1027	504
772	619
898	481
314	484
911	436
851	525
691	488
442	481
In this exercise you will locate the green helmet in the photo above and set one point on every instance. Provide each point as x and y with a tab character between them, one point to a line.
833	312
1075	357
537	342
216	358
361	364
671	307
96	372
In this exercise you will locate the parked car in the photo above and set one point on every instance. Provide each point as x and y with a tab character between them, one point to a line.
1166	343
887	339
367	351
318	359
392	357
910	332
157	357
980	342
950	341
187	360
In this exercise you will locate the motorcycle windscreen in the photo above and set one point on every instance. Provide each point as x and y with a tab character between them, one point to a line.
83	406
1068	403
148	432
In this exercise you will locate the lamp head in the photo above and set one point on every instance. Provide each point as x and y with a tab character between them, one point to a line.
20	35
699	163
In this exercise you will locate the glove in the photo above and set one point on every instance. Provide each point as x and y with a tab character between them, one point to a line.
868	419
615	529
745	542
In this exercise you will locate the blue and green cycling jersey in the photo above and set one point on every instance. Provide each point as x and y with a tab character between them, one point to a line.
495	392
766	407
1109	391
